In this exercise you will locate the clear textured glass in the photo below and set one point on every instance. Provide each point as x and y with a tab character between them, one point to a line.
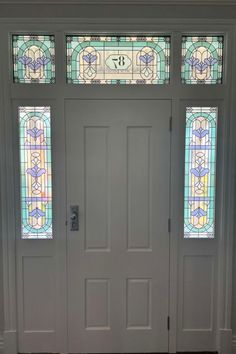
118	60
200	172
36	174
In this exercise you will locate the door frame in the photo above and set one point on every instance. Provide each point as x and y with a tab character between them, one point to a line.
10	92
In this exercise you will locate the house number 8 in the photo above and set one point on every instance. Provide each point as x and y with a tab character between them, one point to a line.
118	62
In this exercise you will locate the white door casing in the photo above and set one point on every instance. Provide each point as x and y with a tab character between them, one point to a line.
177	93
118	168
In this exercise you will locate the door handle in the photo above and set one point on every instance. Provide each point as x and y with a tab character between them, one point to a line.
74	218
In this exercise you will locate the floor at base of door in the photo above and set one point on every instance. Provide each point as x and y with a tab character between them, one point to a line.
136	353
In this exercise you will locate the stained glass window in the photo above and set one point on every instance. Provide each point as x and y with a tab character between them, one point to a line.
202	60
35	170
118	60
33	58
200	172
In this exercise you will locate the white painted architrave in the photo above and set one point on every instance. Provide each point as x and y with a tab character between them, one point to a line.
7	202
175	90
225	249
1	345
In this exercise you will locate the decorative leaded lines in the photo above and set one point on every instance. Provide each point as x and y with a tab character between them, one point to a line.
202	60
118	60
200	171
36	175
34	58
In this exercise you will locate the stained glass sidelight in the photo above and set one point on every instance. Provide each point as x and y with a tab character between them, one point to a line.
118	59
33	58
202	60
35	170
200	172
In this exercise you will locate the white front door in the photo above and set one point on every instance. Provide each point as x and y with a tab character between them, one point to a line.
118	172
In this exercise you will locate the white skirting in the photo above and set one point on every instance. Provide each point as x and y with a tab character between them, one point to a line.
234	345
1	344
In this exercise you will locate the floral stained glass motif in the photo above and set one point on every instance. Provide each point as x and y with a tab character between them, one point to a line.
118	60
200	172
202	60
35	170
33	58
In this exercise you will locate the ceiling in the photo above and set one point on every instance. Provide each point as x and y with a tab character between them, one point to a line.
123	2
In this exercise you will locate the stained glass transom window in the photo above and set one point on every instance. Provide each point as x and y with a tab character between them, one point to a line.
118	60
202	60
35	170
33	58
200	172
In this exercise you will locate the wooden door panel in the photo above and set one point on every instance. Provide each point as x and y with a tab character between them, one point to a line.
118	174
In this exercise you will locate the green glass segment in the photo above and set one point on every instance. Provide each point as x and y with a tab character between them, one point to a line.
202	59
33	58
200	172
118	59
36	172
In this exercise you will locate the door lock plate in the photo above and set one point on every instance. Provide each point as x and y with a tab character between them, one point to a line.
74	218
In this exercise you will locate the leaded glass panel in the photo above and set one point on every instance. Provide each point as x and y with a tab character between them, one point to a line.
33	58
202	60
200	172
35	170
118	59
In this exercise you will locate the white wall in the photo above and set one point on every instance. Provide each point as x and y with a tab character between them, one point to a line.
115	11
1	293
234	295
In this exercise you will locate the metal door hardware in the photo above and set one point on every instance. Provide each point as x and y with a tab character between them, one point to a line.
74	218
